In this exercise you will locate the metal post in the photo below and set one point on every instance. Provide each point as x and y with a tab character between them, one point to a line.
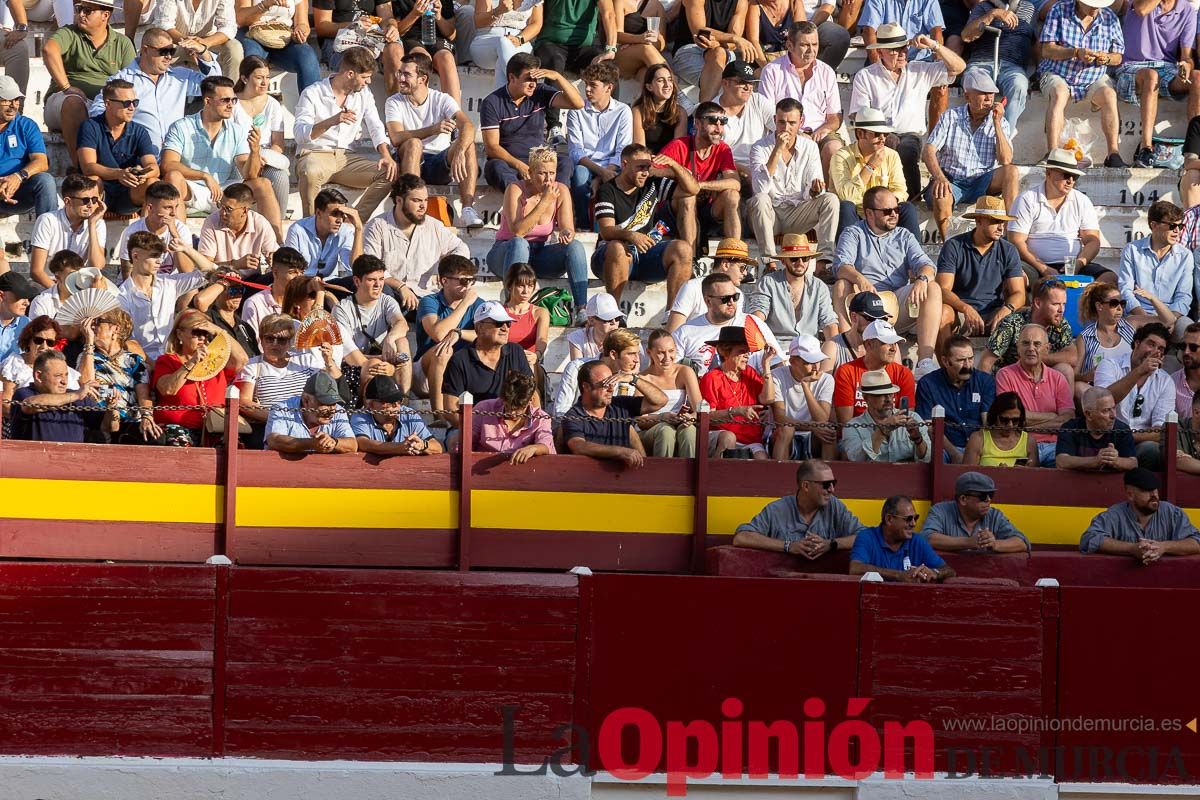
700	489
1169	462
937	466
225	531
466	414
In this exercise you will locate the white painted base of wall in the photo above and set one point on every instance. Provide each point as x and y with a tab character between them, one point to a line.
61	778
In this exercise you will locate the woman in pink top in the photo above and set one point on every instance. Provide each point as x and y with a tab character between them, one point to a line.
511	423
537	227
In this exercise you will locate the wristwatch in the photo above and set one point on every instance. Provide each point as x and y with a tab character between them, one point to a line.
833	545
633	381
787	547
23	174
923	278
610	48
1010	306
20	28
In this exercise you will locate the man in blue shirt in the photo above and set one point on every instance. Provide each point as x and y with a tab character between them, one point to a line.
444	322
314	422
963	391
1161	266
328	244
15	293
44	420
117	150
891	550
26	183
980	271
387	428
596	135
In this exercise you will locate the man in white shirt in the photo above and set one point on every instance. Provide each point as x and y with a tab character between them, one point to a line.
1054	224
411	242
900	90
160	217
789	188
330	115
1144	392
803	396
62	265
77	226
733	259
721	298
748	115
419	121
202	26
149	297
596	135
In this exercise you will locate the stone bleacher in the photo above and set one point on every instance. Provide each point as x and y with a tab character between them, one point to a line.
1121	195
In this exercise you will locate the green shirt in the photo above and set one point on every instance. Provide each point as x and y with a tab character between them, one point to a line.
88	67
570	22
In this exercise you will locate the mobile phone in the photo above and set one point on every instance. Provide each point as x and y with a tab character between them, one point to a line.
904	404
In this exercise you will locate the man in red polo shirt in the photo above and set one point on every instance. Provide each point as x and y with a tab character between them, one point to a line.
1045	393
880	351
706	156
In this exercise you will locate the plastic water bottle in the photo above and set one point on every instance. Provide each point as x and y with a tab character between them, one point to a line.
429	26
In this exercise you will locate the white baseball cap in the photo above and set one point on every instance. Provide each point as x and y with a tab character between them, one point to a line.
604	306
492	311
883	331
808	348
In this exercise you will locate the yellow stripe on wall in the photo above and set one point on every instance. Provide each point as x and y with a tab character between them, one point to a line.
114	501
1042	524
264	507
581	511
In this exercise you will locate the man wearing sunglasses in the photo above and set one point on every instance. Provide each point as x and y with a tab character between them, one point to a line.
1143	526
971	522
1187	380
314	422
717	205
1055	223
885	434
1161	266
117	151
809	523
162	87
891	549
80	58
1144	392
78	226
721	297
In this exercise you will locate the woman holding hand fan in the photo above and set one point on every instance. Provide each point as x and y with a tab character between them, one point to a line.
121	377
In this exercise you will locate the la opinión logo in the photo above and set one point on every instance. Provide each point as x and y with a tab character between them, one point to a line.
632	743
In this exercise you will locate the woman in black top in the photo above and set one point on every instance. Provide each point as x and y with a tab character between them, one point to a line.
657	116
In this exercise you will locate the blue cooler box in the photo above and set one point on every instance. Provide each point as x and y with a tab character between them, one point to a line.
1076	284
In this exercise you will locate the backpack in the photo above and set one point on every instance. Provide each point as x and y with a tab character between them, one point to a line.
556	301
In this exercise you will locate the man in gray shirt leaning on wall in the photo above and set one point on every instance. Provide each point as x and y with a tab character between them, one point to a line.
970	521
810	523
1142	527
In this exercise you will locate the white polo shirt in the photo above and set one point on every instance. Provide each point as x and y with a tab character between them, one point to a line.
902	102
52	232
1053	235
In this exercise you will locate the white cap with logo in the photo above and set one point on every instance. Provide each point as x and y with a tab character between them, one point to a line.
883	331
492	311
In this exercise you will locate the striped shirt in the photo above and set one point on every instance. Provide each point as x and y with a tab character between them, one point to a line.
1064	28
965	154
1094	352
274	385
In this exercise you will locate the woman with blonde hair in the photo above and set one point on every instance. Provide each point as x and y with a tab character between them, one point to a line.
537	227
271	378
122	377
672	430
657	115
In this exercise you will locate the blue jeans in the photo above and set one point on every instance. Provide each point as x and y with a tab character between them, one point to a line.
1046	453
1013	83
547	260
37	193
296	57
581	196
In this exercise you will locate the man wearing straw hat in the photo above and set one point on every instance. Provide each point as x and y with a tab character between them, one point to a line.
980	272
884	433
969	153
1054	224
733	259
792	301
899	89
867	163
1080	41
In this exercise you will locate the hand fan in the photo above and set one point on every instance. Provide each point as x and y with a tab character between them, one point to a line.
85	304
754	335
218	357
317	329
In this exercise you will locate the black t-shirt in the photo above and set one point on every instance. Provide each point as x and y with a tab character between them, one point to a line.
612	431
402	8
466	373
343	10
1074	441
635	211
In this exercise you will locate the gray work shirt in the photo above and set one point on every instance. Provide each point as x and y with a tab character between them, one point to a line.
781	519
1168	524
773	297
944	518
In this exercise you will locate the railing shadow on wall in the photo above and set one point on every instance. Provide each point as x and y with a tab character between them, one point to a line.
468	511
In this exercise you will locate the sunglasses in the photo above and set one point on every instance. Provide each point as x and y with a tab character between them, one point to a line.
1138	402
715	120
235	291
202	333
725	298
168	50
466	281
1012	422
232	101
828	486
911	519
1068	177
276	339
123	103
887	212
40	340
981	496
1173	226
506	324
85	10
85	201
1191	346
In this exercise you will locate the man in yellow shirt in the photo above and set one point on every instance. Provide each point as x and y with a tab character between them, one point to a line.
867	163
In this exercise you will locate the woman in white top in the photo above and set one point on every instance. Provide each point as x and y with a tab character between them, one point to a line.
1109	334
16	371
272	378
671	431
259	110
283	26
503	29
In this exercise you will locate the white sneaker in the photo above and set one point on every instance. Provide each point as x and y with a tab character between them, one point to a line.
924	367
469	218
558	135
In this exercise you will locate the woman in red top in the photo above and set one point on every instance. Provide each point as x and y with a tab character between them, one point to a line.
531	329
187	346
736	391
